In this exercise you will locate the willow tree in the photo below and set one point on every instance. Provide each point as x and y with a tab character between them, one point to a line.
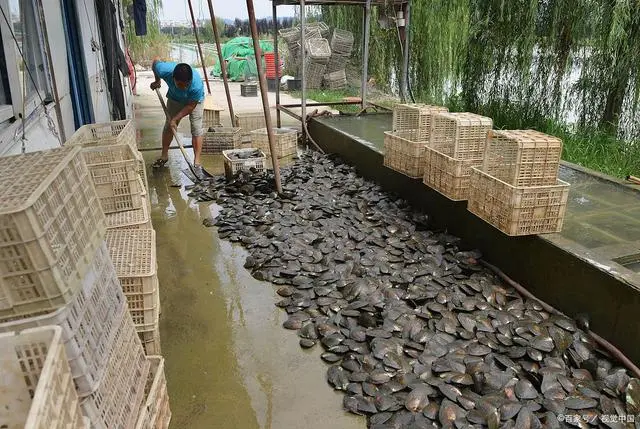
522	62
144	48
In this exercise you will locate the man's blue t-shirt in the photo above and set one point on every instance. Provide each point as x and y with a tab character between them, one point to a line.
195	92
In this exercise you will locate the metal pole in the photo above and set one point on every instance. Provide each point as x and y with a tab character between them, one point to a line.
43	23
407	46
303	69
195	33
223	66
264	92
277	55
365	52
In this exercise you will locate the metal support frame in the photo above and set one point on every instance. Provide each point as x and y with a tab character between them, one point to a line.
365	52
195	33
264	93
404	91
223	65
365	45
277	59
303	68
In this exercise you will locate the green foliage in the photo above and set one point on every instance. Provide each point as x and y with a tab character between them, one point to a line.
569	67
144	48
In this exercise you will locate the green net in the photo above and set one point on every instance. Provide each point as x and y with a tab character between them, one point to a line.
241	58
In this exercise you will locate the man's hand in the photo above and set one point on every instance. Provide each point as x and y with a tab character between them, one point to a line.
173	123
155	85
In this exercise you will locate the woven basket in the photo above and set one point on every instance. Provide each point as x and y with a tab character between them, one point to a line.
342	42
336	80
286	141
318	50
405	153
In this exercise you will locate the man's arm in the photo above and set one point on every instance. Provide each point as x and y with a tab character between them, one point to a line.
186	110
157	83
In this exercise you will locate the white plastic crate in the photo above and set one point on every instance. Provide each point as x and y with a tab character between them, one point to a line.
116	402
50	226
35	382
133	253
89	322
115	174
105	134
232	166
155	412
131	219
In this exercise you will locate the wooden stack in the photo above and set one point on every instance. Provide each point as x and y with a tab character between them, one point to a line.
517	189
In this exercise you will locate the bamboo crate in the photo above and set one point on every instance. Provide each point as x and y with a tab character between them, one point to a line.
321	26
222	139
286	141
117	401
318	50
405	153
249	121
342	42
155	412
89	323
336	63
447	175
336	80
518	210
462	136
315	73
290	35
523	157
35	381
133	253
114	171
132	219
415	117
50	226
105	134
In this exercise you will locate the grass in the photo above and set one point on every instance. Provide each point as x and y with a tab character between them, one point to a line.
589	148
330	96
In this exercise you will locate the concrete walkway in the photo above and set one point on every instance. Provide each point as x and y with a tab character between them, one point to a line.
229	362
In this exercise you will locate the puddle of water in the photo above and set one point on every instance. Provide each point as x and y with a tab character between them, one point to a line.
229	362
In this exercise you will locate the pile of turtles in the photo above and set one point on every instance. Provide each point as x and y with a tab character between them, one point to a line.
417	334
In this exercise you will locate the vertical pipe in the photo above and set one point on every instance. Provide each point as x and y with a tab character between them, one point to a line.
264	92
195	33
223	66
303	69
365	52
45	34
407	46
274	4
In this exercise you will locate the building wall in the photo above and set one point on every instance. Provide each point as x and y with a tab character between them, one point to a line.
40	128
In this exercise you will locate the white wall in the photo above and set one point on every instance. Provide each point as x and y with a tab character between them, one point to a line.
38	128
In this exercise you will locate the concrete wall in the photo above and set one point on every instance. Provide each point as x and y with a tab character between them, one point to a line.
39	129
551	272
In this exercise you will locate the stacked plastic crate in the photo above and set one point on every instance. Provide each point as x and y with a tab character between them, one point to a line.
318	53
405	146
133	253
341	49
118	171
517	189
36	383
55	270
456	144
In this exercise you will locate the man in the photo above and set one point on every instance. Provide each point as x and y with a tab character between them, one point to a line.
185	97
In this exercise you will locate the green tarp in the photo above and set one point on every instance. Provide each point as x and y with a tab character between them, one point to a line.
240	57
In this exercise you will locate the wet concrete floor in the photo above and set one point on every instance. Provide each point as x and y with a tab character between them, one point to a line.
229	362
